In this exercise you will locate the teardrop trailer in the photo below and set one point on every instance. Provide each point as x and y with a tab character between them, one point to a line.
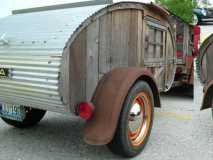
104	63
205	71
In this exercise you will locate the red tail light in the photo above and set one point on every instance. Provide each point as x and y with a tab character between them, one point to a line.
196	40
197	30
85	110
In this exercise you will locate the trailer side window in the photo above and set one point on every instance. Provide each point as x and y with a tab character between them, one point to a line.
155	41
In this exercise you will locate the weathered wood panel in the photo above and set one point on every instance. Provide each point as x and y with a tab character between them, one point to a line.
133	39
140	38
120	38
159	75
92	72
105	43
78	63
170	67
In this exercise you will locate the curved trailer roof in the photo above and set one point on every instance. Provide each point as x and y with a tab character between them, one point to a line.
48	30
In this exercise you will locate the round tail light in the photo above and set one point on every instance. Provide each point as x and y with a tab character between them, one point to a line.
85	110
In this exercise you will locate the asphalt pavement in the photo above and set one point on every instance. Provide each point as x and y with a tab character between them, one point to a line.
180	132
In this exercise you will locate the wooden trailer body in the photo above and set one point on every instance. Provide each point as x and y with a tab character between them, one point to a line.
127	35
76	47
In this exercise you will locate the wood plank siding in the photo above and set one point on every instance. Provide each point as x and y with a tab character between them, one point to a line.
121	38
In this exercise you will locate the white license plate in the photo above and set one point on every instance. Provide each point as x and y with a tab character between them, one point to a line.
4	73
13	112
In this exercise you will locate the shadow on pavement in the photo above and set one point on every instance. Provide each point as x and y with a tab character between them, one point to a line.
181	91
57	136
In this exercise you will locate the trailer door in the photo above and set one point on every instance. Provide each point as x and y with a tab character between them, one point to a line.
154	50
159	53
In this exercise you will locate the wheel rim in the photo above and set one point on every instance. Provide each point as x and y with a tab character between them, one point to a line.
139	119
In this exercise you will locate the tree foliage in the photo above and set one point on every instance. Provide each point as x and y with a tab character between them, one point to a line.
182	8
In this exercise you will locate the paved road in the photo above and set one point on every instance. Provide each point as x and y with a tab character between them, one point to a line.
180	132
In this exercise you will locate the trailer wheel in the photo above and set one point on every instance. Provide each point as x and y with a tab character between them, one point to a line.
135	121
33	117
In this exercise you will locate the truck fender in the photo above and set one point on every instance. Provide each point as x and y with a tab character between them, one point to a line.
208	96
108	100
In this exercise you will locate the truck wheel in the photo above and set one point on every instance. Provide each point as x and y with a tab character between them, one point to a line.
33	116
135	121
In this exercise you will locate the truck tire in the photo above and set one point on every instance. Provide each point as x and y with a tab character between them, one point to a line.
33	117
135	121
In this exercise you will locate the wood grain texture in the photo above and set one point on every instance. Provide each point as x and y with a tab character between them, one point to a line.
105	36
133	39
120	38
140	38
78	69
92	63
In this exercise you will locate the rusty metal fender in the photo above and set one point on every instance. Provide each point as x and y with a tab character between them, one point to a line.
208	96
108	100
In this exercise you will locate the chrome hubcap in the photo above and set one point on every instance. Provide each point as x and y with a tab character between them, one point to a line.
139	119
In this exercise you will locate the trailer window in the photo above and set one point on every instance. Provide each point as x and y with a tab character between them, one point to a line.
155	41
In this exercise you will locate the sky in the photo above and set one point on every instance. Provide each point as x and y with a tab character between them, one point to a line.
6	6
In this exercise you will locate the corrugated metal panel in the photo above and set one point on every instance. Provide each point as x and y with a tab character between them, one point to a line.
34	54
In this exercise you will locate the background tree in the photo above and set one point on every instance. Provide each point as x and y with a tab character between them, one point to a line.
182	8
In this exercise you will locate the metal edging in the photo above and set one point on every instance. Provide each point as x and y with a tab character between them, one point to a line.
62	6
